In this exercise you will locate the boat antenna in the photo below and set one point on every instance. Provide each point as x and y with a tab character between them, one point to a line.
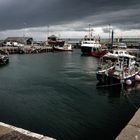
24	32
48	30
89	31
92	30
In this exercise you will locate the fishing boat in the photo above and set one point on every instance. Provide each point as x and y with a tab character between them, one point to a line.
59	44
55	41
91	46
117	68
4	58
65	47
108	60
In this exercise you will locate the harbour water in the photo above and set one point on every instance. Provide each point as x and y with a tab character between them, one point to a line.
55	94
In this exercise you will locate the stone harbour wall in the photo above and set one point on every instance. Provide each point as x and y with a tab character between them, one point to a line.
9	132
132	130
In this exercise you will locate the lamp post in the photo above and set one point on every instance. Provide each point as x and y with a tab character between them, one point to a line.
109	33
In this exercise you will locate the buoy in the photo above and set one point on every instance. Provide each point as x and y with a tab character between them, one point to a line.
137	77
128	82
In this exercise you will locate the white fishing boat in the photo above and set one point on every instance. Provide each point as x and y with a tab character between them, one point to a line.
65	47
91	46
118	67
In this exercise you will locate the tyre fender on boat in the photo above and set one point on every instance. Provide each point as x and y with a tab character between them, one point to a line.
137	77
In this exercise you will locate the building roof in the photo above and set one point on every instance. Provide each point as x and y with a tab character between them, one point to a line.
18	39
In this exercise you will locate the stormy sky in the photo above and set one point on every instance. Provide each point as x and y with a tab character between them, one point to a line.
65	16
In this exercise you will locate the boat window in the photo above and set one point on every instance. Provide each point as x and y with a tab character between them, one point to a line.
85	42
94	49
86	49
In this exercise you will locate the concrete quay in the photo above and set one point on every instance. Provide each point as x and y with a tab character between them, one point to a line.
132	130
9	132
27	49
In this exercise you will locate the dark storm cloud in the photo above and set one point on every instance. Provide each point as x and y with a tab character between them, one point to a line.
15	14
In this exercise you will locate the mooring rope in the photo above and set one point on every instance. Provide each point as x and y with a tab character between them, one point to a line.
109	85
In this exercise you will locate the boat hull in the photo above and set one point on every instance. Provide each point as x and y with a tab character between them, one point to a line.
110	80
88	52
61	49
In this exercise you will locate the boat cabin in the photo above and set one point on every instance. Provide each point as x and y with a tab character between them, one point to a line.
115	58
55	41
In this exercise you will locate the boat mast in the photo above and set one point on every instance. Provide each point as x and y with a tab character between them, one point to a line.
48	31
112	38
24	32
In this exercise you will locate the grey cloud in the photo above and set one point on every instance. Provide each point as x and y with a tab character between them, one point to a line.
15	14
105	30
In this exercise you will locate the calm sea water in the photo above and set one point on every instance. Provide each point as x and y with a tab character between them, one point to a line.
55	94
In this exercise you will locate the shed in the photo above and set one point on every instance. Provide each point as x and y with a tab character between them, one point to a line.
22	40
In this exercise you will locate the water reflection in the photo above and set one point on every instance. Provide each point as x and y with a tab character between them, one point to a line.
55	94
118	89
132	89
112	91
